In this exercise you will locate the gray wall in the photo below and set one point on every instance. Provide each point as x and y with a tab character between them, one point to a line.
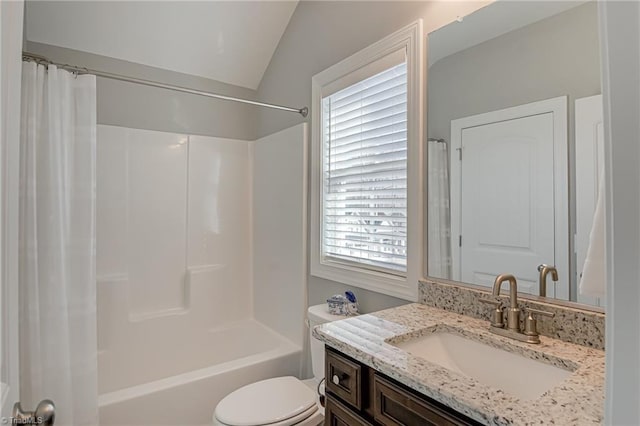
143	107
554	57
620	26
320	34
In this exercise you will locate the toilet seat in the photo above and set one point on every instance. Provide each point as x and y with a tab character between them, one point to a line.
306	418
282	401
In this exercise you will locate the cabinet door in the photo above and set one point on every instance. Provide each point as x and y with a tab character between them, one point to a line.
394	406
336	414
344	378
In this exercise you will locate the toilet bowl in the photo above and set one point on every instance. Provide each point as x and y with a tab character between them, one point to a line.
281	401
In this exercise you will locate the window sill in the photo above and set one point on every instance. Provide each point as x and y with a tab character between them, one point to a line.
379	282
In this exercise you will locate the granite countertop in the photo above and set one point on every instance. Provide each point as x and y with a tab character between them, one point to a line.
578	400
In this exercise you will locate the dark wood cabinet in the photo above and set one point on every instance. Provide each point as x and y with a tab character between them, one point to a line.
359	395
344	378
336	414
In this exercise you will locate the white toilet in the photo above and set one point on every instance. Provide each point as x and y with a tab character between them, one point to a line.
281	401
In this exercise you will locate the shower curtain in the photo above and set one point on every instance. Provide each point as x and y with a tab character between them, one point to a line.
58	342
439	217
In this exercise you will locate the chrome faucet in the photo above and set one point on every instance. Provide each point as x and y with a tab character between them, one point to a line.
513	329
544	271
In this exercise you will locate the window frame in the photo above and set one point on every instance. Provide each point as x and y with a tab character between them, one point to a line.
395	283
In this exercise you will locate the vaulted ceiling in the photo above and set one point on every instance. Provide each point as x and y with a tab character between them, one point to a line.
228	41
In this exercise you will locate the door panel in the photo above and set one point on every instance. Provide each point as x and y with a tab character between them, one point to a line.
521	153
507	200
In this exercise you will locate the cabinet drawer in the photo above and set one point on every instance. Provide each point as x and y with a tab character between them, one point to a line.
344	378
394	405
336	414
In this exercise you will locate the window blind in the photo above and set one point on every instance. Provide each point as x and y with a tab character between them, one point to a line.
364	203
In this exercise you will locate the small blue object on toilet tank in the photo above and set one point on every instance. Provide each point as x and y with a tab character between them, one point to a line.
343	305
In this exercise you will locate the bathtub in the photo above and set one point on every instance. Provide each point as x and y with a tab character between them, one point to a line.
170	390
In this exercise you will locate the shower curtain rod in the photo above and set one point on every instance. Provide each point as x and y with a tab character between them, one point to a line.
79	70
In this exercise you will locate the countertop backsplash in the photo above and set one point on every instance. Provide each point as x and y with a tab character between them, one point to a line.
573	325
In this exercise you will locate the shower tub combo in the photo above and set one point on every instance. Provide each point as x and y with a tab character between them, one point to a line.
180	324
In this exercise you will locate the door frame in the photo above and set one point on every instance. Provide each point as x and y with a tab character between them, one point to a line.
558	107
589	120
11	16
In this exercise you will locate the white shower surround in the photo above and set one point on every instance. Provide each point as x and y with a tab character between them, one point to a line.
192	304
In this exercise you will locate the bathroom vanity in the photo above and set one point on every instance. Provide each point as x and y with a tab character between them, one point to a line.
359	395
417	364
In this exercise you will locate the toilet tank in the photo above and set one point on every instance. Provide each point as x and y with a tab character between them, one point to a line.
319	314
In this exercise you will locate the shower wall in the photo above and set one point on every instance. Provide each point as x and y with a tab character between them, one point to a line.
173	250
279	223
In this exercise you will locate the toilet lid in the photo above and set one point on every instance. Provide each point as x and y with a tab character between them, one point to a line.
264	402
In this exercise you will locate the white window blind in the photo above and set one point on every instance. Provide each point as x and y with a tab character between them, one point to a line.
364	200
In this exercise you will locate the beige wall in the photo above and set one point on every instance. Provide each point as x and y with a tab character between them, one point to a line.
320	34
143	107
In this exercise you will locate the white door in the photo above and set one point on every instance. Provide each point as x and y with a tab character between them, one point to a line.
11	13
506	197
589	163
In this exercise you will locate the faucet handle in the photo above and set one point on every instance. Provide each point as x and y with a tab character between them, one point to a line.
530	323
539	312
497	315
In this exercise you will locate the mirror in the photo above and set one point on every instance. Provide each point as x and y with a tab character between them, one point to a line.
515	149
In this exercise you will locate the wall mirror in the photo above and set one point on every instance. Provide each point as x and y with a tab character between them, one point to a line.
515	149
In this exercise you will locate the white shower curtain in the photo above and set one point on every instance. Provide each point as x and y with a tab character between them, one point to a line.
438	207
58	342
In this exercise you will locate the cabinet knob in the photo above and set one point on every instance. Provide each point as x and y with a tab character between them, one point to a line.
337	378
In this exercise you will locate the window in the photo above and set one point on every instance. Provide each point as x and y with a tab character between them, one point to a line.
366	167
364	200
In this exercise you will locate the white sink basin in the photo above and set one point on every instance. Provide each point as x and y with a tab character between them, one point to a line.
521	377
